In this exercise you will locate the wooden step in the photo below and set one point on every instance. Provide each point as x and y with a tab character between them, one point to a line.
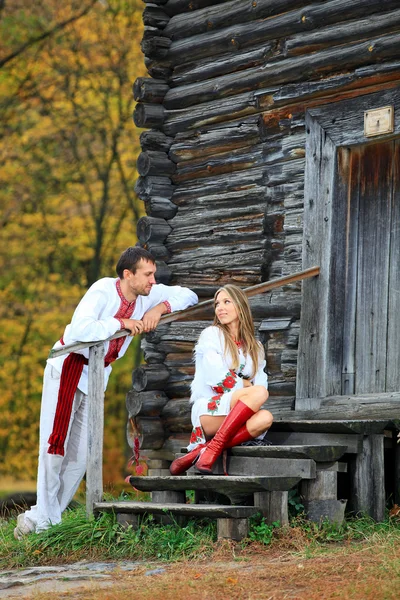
318	453
232	521
360	426
224	485
215	511
353	441
265	466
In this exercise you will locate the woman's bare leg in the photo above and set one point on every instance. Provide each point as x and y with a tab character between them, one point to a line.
254	396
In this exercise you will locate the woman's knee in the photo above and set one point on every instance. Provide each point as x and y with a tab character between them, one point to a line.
260	394
267	418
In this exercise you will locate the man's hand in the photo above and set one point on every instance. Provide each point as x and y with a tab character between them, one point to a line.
152	317
133	325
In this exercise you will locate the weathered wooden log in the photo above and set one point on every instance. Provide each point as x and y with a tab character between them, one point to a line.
283	24
147	404
178	385
158	68
149	377
176	416
163	273
174	347
154	16
147	89
205	204
176	7
155	163
150	430
154	337
179	359
156	2
374	76
185	252
160	207
155	140
339	33
270	152
226	162
212	112
209	67
152	353
154	186
226	14
159	251
291	69
224	184
251	103
276	174
148	115
152	230
224	265
154	44
190	145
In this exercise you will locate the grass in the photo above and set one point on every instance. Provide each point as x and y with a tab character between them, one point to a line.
77	538
357	560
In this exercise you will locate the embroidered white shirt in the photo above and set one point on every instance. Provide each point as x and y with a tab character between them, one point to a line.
93	319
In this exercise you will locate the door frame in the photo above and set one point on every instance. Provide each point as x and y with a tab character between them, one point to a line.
330	132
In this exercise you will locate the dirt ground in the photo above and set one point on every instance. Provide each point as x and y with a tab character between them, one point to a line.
360	572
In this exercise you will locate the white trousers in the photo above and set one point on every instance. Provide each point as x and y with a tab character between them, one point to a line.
58	476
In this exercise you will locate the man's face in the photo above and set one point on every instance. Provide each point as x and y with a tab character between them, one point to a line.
141	282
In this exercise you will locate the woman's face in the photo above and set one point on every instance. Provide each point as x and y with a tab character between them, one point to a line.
225	309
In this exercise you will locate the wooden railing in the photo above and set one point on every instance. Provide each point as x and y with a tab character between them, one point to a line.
94	469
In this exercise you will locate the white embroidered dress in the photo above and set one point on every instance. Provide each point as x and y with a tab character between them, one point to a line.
215	381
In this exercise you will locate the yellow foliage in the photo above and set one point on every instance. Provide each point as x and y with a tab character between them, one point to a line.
68	150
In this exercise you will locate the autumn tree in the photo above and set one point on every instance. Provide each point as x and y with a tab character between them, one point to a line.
67	207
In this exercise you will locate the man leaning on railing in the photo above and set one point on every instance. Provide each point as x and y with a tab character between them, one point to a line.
131	301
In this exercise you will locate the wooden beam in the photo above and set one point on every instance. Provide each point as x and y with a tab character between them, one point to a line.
94	466
251	291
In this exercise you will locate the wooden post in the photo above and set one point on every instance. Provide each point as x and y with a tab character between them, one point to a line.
367	479
94	467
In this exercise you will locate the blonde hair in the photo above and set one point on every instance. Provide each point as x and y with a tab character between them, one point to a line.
250	345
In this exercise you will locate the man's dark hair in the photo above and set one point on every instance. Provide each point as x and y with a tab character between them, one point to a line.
130	259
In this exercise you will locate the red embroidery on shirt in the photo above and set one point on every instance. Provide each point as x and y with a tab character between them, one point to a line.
167	304
125	311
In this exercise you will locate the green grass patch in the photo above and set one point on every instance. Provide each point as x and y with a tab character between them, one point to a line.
102	538
78	538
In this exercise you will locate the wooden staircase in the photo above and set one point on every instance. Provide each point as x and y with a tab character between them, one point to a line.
306	450
271	471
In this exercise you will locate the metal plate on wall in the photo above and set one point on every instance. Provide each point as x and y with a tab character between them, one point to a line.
378	121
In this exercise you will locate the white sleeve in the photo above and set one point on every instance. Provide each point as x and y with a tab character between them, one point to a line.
178	297
86	324
215	369
261	378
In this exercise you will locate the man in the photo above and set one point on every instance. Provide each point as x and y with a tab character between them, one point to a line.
132	301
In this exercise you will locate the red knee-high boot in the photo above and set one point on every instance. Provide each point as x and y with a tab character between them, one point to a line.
183	463
239	414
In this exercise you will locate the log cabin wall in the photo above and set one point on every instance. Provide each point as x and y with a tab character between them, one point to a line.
223	159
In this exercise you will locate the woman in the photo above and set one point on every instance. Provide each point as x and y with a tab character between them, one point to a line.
229	385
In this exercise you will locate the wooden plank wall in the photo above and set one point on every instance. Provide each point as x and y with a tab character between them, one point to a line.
222	162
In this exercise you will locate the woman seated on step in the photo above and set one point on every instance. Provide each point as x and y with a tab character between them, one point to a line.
229	385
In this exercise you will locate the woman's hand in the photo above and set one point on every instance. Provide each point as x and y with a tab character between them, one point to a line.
247	383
